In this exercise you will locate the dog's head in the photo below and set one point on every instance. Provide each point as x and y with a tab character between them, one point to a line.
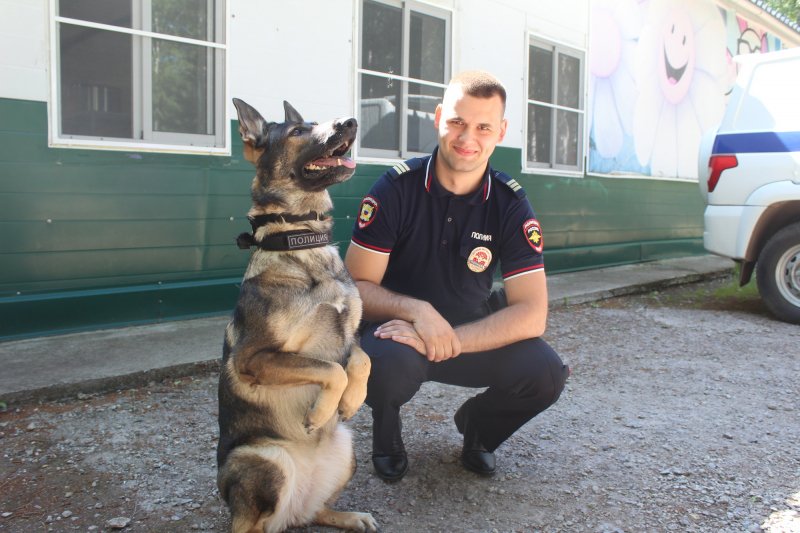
294	156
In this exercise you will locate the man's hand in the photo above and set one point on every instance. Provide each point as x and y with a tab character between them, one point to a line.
431	335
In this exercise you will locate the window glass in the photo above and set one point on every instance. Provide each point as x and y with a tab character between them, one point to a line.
540	79
116	84
569	81
539	133
113	12
396	108
96	82
183	18
567	137
182	99
555	107
379	121
382	36
427	48
422	102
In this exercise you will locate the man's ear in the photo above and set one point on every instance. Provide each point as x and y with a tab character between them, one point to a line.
292	116
437	115
252	126
503	128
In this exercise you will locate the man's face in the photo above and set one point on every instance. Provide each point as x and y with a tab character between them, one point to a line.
469	129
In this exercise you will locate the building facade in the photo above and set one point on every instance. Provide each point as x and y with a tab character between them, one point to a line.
123	187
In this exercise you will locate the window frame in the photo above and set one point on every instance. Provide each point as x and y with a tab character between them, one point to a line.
553	168
151	141
406	6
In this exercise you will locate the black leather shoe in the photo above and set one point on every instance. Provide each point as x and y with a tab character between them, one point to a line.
474	456
388	453
390	467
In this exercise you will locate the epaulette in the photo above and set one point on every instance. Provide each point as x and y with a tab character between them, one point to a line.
509	182
407	166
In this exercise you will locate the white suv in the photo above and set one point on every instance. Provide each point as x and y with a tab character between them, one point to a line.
750	178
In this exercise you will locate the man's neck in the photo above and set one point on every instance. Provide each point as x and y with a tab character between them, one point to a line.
458	183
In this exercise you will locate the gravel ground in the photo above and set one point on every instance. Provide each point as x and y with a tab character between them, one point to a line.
682	414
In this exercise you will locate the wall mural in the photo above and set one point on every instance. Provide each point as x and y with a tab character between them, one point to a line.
660	73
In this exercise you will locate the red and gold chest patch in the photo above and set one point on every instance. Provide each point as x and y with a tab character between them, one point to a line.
367	212
533	233
479	259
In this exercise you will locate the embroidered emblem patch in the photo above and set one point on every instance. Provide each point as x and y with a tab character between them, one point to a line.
533	232
369	208
479	259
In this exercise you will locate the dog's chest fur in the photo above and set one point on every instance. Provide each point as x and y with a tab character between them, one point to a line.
312	304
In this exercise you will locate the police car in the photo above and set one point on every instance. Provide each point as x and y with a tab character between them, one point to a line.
750	179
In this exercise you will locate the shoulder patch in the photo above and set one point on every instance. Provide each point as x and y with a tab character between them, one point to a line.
407	166
533	234
367	212
511	183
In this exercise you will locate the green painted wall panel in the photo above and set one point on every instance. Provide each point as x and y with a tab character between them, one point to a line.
146	236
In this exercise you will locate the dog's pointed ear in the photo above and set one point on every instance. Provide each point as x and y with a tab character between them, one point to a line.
292	116
252	125
252	128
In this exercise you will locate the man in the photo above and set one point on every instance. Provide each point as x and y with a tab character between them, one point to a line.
425	246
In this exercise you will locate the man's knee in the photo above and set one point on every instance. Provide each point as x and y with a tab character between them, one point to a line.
397	371
538	372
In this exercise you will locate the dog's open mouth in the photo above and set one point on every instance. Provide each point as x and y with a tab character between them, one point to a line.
334	158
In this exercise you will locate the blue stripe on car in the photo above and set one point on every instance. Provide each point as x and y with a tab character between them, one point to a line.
760	142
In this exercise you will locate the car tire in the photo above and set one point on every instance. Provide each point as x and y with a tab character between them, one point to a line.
778	274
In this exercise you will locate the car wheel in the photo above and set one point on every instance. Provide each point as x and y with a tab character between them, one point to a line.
778	274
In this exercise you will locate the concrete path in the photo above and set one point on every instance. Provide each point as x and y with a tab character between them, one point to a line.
47	368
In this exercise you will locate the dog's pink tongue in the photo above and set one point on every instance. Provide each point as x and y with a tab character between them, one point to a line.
335	162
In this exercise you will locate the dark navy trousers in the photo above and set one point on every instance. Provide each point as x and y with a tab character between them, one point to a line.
522	379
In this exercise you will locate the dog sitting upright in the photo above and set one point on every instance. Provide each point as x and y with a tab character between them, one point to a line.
291	366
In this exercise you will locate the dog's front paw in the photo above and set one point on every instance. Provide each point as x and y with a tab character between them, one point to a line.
316	418
351	400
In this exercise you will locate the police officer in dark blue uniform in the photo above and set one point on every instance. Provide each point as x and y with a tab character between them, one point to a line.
428	240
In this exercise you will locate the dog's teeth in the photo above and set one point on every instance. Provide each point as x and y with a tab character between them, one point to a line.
339	162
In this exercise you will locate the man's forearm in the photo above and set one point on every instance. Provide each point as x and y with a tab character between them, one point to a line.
382	304
506	326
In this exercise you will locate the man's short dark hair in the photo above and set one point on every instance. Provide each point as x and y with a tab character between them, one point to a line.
480	84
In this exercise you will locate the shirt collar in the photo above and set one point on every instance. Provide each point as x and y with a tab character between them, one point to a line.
433	186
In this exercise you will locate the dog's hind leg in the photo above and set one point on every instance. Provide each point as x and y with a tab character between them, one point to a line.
253	482
346	520
357	369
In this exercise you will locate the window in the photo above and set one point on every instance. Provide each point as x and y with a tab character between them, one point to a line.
404	68
139	73
555	107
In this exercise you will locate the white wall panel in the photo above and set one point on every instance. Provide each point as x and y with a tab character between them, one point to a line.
23	49
296	51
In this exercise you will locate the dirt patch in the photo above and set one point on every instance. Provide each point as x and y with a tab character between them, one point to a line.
682	414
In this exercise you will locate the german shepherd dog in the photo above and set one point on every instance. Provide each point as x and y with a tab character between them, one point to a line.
292	367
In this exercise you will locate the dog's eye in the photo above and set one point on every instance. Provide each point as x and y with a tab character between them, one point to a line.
296	132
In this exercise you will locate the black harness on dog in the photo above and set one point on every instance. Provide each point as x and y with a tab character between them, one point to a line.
285	240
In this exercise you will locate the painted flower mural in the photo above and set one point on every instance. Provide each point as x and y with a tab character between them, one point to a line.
681	72
614	33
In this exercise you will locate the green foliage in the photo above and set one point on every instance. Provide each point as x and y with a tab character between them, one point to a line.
790	8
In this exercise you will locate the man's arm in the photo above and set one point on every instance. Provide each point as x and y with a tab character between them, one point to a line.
435	337
524	318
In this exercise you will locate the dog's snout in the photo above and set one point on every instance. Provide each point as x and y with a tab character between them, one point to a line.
347	123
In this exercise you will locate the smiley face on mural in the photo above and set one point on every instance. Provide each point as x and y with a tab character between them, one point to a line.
677	62
681	68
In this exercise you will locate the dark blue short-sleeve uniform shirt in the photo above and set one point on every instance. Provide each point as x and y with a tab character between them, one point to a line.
445	248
